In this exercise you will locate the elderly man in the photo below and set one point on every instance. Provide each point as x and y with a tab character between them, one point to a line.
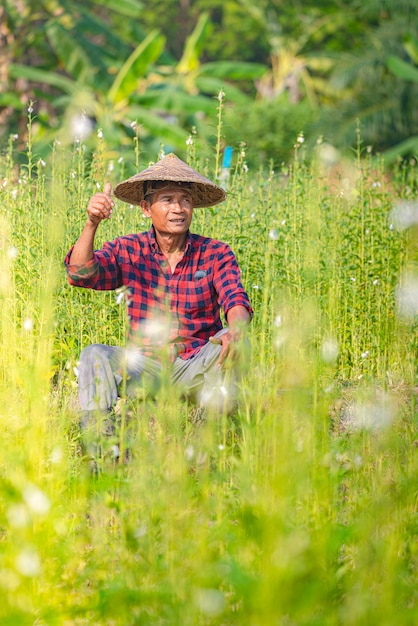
177	283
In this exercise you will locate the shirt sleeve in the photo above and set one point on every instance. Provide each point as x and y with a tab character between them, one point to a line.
227	281
103	272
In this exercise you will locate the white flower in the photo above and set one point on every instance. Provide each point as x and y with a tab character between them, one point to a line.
256	287
210	601
376	281
328	155
56	455
221	95
12	252
28	562
371	415
274	234
13	193
28	324
100	133
329	350
18	515
278	321
189	452
405	214
141	531
41	162
407	295
189	141
365	354
30	109
36	500
120	160
80	126
75	370
300	138
119	297
15	136
133	124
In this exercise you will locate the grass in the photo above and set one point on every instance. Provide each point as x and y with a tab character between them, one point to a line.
302	510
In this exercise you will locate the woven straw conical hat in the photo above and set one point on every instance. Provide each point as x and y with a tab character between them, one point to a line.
170	168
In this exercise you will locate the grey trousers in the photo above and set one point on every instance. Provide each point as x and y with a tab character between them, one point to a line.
104	370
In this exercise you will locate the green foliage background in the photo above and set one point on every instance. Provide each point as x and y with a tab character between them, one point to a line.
162	64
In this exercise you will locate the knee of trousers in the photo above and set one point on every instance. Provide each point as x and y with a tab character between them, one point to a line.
91	353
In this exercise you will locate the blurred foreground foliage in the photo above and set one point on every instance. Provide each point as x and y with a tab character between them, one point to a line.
301	509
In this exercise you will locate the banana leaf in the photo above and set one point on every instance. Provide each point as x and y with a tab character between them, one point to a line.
233	70
171	99
68	49
403	70
136	66
193	46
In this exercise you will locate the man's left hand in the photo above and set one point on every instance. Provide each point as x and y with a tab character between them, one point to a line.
231	342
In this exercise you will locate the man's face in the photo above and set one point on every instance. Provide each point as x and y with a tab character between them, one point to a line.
170	209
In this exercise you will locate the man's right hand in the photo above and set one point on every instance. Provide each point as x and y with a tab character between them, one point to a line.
100	206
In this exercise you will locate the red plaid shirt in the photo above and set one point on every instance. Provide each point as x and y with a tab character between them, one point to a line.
180	309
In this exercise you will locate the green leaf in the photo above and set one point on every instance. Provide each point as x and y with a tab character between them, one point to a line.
233	70
129	8
410	43
69	51
213	86
9	98
193	46
409	146
37	75
403	70
136	66
157	125
171	99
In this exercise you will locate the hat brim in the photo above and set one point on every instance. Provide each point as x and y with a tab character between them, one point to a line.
204	192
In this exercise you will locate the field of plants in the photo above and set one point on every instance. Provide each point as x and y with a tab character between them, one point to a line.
302	508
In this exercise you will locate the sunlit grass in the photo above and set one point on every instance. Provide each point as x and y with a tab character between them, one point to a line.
301	509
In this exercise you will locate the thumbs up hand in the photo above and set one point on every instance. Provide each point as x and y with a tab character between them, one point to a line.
100	206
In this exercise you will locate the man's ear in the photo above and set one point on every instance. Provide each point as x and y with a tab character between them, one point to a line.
145	207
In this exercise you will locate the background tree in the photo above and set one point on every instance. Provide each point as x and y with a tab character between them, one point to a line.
365	88
311	66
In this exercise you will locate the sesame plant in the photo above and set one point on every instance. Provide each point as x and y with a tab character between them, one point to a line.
301	508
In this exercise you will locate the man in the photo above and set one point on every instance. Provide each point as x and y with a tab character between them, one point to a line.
177	283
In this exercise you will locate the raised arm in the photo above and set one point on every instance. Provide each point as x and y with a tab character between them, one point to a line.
99	208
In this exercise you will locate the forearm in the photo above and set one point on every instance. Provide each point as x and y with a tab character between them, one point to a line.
238	318
83	250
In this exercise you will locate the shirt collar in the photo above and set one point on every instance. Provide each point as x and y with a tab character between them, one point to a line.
156	248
